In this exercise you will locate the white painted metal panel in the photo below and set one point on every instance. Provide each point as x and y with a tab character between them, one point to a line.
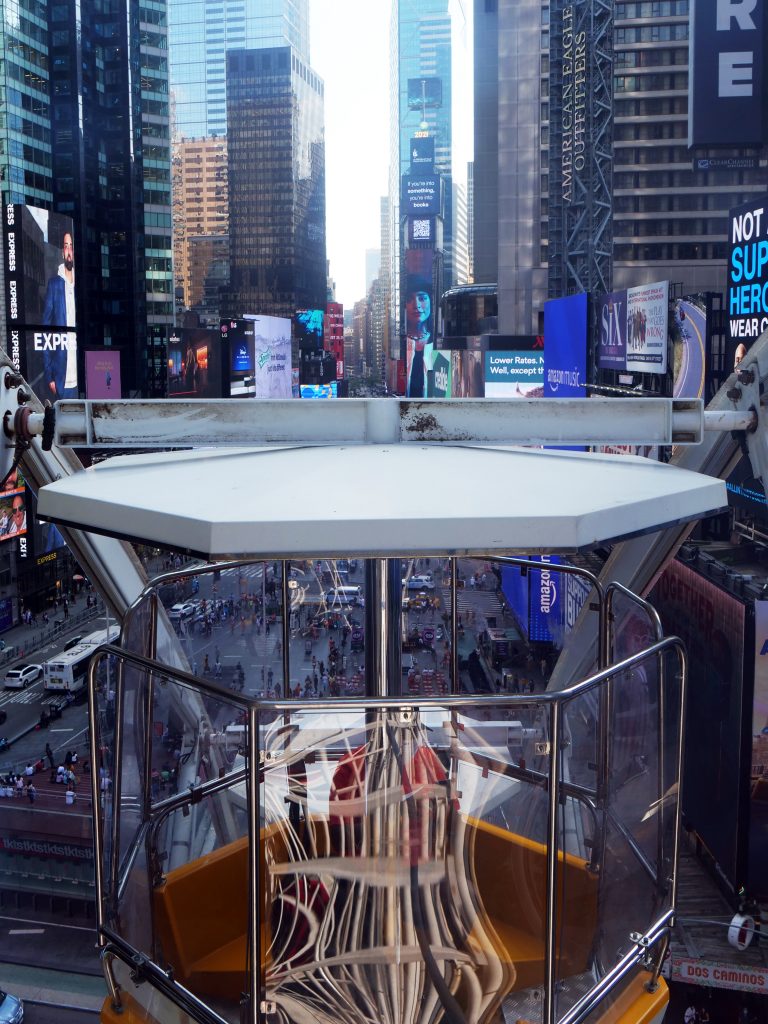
378	499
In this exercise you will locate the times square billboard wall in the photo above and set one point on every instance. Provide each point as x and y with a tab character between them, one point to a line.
758	824
711	623
40	282
725	86
565	347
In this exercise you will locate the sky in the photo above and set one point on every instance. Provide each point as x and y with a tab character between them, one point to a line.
349	49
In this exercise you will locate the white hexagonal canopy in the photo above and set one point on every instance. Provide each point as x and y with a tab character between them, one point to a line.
377	499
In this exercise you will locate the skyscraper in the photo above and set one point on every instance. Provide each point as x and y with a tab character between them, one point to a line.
201	34
276	183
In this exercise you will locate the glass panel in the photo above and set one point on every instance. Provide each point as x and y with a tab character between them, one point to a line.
180	896
425	610
403	862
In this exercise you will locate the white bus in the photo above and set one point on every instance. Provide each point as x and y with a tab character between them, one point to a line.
66	672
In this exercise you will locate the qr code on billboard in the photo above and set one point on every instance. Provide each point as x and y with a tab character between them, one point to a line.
421	229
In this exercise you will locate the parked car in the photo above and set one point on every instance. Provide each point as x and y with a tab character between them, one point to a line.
18	678
182	610
11	1009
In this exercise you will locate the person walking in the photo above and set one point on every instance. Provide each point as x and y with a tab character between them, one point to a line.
31	793
49	755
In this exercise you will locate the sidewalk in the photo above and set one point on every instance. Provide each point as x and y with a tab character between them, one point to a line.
59	988
22	641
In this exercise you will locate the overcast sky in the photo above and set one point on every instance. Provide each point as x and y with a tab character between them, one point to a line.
349	46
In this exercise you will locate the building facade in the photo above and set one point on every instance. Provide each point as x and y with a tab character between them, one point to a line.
276	162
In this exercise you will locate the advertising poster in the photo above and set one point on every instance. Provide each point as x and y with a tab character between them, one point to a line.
514	374
439	384
746	300
725	91
565	347
545	609
423	154
711	624
102	373
13	515
612	331
758	832
418	317
272	356
41	313
688	333
421	195
194	368
647	313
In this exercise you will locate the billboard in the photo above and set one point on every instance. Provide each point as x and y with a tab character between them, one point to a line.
421	195
319	390
467	375
418	317
102	373
272	356
13	514
422	231
425	93
711	624
545	606
688	332
194	363
747	290
612	331
423	154
514	374
758	831
41	314
725	87
514	586
565	347
440	379
308	327
647	317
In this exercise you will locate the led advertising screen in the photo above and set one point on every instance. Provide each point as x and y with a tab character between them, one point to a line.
102	373
647	313
272	356
758	827
612	331
747	290
565	347
688	333
423	154
320	390
13	514
308	327
425	93
418	316
725	88
467	375
439	384
194	363
545	606
422	195
514	374
40	299
514	586
711	624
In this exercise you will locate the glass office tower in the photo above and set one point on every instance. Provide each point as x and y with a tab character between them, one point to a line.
276	159
200	35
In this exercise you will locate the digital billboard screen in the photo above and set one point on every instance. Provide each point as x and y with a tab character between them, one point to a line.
423	154
725	89
688	333
319	390
747	290
612	331
514	374
13	514
308	327
565	347
758	826
422	195
647	327
467	374
545	605
102	373
418	316
41	314
194	363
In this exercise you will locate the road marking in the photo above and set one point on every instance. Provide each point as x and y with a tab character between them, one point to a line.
59	730
26	931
